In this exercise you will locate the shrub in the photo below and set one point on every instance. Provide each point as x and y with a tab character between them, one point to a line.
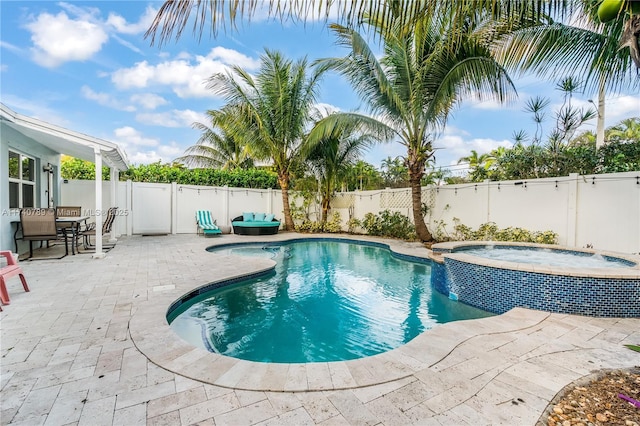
372	224
333	225
490	232
388	224
309	226
353	224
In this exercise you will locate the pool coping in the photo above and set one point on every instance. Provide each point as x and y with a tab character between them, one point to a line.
153	337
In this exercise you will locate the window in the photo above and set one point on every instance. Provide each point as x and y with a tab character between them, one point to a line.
22	181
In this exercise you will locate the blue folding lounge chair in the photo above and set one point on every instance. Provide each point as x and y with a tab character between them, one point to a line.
206	223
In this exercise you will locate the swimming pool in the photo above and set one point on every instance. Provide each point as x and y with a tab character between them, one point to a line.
326	301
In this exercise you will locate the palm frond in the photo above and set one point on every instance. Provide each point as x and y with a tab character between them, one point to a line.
584	51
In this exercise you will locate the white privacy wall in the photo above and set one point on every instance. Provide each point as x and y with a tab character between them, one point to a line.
603	212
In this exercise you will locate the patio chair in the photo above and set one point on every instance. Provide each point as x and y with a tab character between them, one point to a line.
206	224
10	270
69	228
90	230
40	225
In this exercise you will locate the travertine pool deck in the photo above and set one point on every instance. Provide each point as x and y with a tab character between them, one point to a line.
88	346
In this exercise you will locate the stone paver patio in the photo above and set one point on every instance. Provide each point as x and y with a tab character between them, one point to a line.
88	346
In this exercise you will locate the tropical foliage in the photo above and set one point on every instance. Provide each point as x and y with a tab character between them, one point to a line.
220	146
394	172
272	111
428	66
490	232
174	16
74	168
620	153
333	146
389	224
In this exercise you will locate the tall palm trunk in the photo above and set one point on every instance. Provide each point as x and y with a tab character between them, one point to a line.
416	165
283	180
325	209
416	201
600	122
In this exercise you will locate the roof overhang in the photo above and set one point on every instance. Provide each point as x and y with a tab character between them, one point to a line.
64	141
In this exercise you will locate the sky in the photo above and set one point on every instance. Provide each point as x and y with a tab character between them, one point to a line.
87	66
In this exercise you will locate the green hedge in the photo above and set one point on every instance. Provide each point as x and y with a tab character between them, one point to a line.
73	168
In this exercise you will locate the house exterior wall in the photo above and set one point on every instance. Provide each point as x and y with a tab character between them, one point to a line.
15	141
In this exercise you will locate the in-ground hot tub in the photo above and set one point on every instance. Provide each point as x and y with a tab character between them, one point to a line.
585	282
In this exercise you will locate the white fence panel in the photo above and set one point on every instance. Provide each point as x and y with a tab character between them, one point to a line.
365	202
463	202
190	198
608	208
538	205
604	212
248	201
151	208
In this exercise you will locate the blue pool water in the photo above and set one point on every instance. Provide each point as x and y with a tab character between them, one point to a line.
540	256
326	301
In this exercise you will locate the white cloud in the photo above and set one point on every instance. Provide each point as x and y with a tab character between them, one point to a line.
128	136
105	99
122	26
36	108
187	75
9	46
451	146
126	44
77	33
58	39
619	107
326	109
148	100
4	67
174	118
163	153
144	157
170	151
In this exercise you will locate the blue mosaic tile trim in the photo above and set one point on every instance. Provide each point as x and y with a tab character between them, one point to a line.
439	278
499	290
213	286
440	250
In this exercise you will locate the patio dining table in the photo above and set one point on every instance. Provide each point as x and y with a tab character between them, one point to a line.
71	223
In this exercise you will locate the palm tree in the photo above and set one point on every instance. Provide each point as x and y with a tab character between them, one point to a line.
219	145
478	164
362	176
584	47
274	109
627	130
331	153
428	66
395	172
174	16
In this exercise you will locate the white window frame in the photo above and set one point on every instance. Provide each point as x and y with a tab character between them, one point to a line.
20	181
